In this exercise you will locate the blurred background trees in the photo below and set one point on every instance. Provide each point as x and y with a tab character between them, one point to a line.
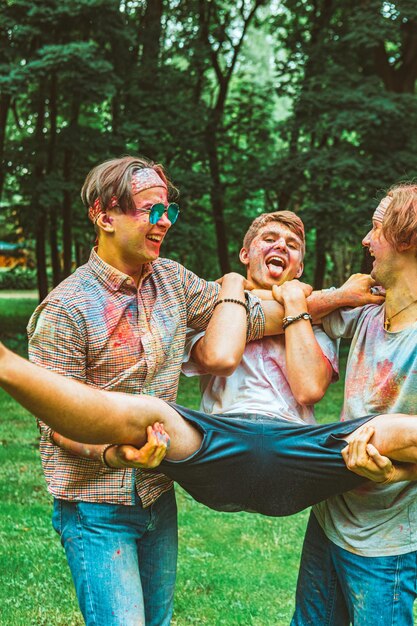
251	106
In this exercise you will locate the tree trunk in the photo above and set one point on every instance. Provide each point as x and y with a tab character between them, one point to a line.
53	222
37	208
5	100
67	217
42	277
223	76
217	198
320	254
151	36
82	253
67	202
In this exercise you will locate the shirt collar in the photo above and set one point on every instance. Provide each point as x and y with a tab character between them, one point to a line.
112	277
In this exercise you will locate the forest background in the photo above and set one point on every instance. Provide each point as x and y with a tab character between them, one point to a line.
251	106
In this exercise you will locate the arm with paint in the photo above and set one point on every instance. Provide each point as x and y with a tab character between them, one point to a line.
355	292
363	458
221	348
57	342
309	372
119	456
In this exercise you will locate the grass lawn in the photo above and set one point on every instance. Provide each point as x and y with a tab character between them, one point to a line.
235	569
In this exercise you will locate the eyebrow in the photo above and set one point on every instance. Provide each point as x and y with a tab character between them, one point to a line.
144	204
291	237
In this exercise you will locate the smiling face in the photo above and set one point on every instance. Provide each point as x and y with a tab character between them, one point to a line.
274	256
128	241
383	253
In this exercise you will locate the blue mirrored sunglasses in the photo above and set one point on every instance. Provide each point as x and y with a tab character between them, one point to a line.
157	210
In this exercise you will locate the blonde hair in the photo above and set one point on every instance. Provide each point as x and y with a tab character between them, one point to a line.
399	224
287	218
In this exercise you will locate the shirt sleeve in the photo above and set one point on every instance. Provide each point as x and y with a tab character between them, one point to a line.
201	295
189	366
330	349
342	322
55	343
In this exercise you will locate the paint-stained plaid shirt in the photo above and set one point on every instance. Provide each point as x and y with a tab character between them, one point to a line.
98	328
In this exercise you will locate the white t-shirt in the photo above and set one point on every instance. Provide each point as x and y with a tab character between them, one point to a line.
259	384
381	377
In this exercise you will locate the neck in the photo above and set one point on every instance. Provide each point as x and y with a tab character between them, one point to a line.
117	261
403	293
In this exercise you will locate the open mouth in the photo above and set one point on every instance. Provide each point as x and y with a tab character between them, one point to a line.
155	238
276	266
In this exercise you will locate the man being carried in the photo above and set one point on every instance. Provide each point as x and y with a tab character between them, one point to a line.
227	462
281	376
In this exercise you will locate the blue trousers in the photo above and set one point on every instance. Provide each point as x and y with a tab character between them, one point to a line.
336	587
122	559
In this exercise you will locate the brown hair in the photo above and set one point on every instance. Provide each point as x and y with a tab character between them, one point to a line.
113	178
399	224
287	218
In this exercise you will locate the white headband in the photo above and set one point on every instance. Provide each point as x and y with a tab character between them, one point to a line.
380	210
145	178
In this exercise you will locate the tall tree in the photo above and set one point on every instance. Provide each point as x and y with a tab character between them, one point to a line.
223	29
351	71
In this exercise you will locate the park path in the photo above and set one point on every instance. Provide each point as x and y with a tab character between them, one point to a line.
17	294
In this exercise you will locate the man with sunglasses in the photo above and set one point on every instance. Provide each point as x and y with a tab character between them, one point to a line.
119	323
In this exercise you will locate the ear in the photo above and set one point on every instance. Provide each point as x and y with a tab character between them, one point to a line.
105	222
404	247
244	256
300	270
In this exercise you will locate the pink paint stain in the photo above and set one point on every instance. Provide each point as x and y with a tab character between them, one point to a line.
388	384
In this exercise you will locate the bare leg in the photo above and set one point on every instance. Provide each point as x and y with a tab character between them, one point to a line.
91	415
395	436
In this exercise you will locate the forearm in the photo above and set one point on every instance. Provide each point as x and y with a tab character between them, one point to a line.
221	348
308	371
321	303
402	472
274	314
356	291
83	450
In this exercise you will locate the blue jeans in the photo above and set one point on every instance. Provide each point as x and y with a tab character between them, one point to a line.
336	587
122	558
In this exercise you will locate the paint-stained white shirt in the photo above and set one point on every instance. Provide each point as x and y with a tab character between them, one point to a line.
260	383
381	377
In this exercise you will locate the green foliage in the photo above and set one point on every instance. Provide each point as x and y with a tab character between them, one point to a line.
351	70
312	108
18	278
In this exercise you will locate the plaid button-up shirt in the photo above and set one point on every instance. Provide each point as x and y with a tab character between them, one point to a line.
98	328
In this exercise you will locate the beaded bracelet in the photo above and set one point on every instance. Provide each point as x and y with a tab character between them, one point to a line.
103	452
234	301
290	320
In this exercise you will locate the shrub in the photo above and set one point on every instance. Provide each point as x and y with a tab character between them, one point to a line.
18	278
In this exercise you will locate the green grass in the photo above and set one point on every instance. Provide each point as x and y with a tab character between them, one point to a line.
235	569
